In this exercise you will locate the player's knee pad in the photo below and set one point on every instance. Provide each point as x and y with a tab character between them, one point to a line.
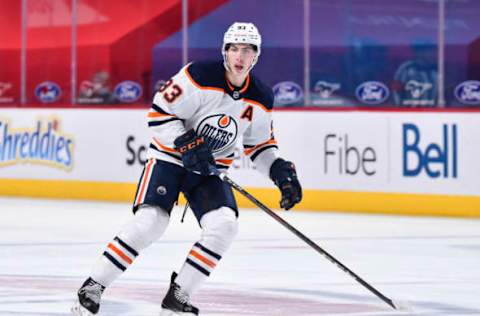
219	228
146	226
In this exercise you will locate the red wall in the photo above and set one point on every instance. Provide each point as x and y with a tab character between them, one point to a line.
112	35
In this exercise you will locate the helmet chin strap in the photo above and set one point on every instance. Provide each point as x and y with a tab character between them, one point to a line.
225	64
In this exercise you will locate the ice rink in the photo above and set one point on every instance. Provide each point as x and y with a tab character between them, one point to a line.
47	248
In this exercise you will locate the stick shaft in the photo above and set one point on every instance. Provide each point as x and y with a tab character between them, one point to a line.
306	240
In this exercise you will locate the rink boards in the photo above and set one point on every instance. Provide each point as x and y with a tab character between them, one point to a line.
369	161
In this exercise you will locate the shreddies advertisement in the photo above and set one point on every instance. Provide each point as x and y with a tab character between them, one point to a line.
42	143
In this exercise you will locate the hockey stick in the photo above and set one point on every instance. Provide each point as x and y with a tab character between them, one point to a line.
223	177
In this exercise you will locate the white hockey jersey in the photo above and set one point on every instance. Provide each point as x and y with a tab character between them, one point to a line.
200	97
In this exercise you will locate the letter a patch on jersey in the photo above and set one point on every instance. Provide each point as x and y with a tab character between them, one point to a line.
248	113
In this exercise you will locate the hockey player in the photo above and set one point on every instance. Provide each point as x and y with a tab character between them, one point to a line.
196	119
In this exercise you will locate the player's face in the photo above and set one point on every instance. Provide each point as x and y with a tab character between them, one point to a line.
240	57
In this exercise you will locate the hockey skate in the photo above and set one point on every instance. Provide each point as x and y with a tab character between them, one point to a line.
89	296
177	302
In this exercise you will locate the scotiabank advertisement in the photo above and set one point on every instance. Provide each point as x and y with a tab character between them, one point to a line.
393	152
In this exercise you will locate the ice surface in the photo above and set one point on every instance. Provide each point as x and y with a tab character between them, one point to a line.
47	248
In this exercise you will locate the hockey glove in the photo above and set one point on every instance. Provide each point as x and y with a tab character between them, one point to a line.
285	178
196	155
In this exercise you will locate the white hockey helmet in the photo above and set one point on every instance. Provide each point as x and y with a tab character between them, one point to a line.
242	33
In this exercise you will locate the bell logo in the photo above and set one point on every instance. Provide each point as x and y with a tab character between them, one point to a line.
437	159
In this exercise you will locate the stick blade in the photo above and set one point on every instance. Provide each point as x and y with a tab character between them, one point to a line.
403	306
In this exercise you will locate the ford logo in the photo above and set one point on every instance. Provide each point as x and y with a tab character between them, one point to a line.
128	91
372	92
287	92
468	92
48	92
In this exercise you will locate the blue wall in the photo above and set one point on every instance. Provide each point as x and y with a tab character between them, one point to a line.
362	52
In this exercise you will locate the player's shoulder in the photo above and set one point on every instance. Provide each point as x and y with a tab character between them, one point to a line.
260	92
207	73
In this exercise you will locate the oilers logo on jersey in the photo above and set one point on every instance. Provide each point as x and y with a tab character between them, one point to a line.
219	130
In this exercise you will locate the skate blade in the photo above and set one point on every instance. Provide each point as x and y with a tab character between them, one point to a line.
79	310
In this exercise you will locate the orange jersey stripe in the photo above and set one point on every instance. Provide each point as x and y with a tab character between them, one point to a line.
245	87
251	150
228	83
225	161
156	115
120	253
146	178
163	147
203	259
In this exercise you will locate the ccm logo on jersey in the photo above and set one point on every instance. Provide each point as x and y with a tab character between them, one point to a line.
219	130
191	145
